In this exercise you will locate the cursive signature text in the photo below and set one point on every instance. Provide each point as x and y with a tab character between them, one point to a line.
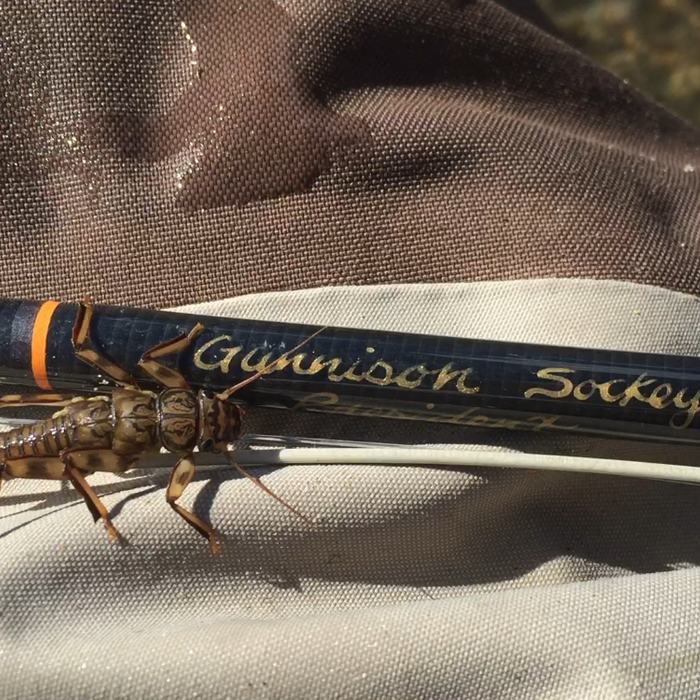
328	402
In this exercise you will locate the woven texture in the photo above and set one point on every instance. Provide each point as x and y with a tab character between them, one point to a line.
414	582
214	148
324	152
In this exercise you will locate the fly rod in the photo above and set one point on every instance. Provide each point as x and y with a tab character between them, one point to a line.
199	364
364	373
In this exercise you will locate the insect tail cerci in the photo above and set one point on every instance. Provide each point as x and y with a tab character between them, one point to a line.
113	432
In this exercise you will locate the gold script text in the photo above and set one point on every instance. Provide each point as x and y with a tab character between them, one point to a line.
380	373
644	389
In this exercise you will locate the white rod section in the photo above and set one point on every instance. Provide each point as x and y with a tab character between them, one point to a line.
465	458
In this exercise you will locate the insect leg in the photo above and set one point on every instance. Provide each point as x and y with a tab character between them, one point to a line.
100	460
11	400
225	395
94	504
180	478
81	336
165	375
35	468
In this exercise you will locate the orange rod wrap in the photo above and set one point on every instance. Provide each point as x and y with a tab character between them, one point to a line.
39	341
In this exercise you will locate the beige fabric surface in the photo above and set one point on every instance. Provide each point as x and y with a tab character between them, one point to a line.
174	151
415	582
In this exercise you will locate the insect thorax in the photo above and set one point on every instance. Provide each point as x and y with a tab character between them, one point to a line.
178	413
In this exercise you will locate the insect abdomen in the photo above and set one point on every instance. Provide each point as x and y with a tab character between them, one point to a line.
84	423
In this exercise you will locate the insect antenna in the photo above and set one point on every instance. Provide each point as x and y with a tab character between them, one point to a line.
225	395
260	484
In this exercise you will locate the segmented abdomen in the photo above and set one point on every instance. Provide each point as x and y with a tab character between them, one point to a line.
85	423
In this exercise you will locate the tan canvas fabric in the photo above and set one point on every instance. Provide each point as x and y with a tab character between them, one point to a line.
415	582
455	151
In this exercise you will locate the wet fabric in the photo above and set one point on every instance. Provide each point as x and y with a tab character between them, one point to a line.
434	165
214	148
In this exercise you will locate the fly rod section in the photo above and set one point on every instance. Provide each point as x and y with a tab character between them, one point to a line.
368	373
